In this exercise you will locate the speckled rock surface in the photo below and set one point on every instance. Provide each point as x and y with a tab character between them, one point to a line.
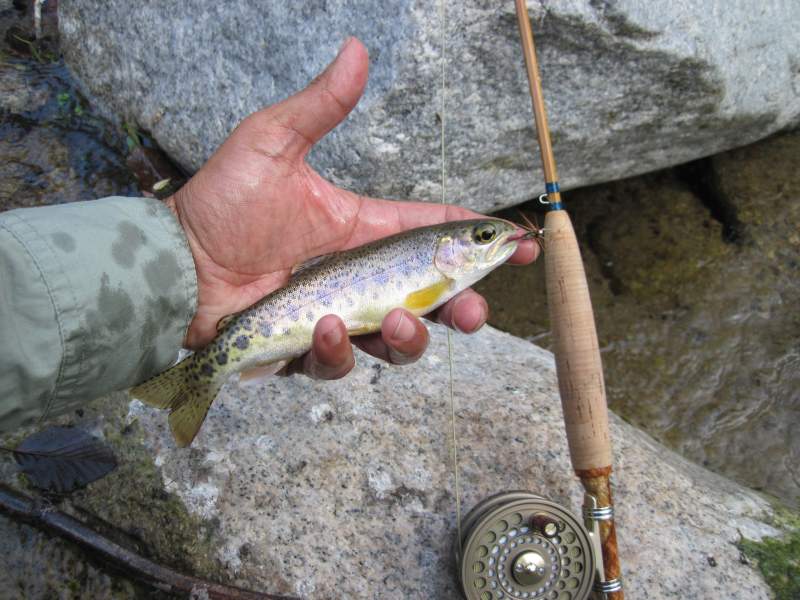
630	89
344	489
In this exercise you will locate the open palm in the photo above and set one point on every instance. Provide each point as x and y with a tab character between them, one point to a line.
256	209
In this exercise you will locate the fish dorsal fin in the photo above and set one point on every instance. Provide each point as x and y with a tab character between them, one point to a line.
310	263
223	322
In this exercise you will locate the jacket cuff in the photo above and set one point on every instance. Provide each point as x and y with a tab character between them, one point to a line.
121	281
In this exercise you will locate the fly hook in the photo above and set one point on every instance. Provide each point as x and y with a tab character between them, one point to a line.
534	232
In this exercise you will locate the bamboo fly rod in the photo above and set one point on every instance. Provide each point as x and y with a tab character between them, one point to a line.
578	365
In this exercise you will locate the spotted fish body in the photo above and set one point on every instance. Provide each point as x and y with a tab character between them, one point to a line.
418	270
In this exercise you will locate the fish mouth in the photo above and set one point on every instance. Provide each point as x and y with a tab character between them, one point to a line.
505	246
503	250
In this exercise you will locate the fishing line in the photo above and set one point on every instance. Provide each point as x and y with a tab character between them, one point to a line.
453	433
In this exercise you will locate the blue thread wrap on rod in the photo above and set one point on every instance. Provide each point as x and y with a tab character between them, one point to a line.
551	187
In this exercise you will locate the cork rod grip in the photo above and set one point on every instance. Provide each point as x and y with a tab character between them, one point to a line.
580	371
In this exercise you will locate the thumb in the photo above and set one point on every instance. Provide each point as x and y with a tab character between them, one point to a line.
311	113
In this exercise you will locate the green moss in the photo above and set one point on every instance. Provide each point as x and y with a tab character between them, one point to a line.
133	498
130	506
778	559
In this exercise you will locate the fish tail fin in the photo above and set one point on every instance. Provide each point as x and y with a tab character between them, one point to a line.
166	389
188	400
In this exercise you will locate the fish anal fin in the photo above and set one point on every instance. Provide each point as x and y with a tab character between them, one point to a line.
426	298
262	371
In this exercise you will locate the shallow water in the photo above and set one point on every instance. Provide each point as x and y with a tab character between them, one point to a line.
52	148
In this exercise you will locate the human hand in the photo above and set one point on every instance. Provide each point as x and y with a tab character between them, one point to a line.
256	209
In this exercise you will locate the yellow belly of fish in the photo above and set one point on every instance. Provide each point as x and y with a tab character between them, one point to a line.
419	302
423	300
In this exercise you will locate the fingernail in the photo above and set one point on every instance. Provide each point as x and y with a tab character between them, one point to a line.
404	330
333	337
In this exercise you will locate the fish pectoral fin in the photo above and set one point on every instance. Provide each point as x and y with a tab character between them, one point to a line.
426	298
254	375
360	330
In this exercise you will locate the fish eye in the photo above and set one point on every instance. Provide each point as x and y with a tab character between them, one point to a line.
484	233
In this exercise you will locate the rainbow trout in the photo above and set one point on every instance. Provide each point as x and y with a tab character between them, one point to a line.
419	270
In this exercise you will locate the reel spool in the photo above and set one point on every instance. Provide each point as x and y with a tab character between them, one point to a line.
520	546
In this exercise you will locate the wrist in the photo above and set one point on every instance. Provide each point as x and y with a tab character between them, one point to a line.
171	203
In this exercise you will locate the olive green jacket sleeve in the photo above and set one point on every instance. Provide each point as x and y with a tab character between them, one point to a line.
94	296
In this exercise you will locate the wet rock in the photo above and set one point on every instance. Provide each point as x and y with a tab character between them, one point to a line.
19	39
629	89
154	173
41	166
23	40
35	566
129	507
16	93
694	275
345	489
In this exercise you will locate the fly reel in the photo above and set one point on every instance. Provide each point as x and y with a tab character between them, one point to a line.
517	545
